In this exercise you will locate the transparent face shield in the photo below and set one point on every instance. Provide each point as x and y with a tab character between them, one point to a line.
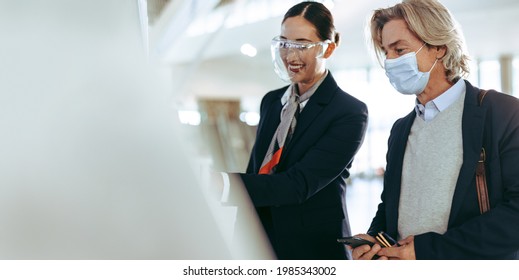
282	48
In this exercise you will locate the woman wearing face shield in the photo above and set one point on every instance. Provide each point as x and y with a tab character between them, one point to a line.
308	134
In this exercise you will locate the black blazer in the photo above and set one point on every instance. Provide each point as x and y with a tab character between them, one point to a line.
493	235
302	206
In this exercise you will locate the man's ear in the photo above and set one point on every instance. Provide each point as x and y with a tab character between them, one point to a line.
329	50
441	51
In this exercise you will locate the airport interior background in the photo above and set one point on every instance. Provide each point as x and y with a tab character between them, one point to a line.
220	55
113	112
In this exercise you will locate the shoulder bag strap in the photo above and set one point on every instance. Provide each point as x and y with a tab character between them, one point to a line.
481	180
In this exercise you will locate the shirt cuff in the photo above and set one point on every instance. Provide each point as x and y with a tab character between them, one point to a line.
226	187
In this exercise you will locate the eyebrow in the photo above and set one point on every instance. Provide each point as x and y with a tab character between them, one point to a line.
297	40
392	45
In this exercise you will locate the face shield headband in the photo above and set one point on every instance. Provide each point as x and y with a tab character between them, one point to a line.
282	48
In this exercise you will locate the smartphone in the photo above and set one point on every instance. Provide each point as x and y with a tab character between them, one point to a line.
354	241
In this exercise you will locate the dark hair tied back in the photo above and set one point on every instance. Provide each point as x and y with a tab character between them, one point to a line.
318	15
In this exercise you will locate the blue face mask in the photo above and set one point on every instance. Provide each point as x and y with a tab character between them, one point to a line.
404	75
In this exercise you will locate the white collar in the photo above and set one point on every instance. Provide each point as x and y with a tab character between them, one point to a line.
450	96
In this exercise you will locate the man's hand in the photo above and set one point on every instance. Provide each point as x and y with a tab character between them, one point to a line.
365	252
404	252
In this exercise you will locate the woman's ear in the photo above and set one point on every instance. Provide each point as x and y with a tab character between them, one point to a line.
329	50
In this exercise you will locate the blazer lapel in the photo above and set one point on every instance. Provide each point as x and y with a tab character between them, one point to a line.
267	128
473	121
313	108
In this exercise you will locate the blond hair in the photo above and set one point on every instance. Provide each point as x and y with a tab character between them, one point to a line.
430	21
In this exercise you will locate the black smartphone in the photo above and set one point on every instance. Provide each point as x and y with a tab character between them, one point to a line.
354	241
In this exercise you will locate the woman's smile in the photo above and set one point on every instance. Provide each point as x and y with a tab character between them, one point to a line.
292	67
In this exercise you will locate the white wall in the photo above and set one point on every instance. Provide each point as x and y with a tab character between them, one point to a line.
91	162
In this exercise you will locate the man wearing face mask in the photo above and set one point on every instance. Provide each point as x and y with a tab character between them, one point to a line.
430	201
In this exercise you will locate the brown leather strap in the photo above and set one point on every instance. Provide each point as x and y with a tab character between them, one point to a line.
481	95
481	179
481	184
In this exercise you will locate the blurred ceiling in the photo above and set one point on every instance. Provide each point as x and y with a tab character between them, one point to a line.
215	57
